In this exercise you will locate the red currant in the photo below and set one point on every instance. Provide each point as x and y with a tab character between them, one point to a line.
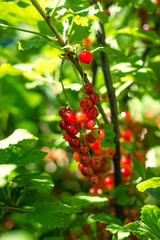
86	228
86	103
89	124
85	56
66	136
62	111
86	170
95	164
108	182
85	159
69	116
93	190
126	172
72	130
83	149
95	98
81	117
90	138
74	141
63	124
93	179
77	156
89	88
125	161
92	112
80	166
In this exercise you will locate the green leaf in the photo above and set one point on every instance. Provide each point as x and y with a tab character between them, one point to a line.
50	214
120	194
99	16
5	170
21	137
108	137
85	199
17	234
33	43
111	51
107	218
120	232
149	183
20	156
149	225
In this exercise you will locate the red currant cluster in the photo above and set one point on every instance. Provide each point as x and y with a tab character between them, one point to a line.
72	123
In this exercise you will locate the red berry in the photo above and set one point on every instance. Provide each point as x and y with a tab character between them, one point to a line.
8	223
70	117
85	57
93	179
72	236
85	159
63	124
86	170
72	130
108	182
77	156
89	88
86	228
83	149
81	117
90	138
127	135
126	115
86	103
93	190
62	111
95	163
95	132
74	141
126	172
80	166
125	161
92	112
89	124
95	98
66	136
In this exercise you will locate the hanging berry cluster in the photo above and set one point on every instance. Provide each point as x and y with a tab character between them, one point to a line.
72	124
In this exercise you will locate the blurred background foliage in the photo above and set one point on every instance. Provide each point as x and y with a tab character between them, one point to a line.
31	93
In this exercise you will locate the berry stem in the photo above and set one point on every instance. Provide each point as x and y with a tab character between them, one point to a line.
60	78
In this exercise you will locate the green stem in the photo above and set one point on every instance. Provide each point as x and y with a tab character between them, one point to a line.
28	31
48	21
53	10
15	209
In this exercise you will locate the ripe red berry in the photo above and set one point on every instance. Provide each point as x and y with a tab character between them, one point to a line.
74	141
95	163
85	56
62	124
83	149
8	223
66	136
95	132
93	190
89	124
125	161
89	88
108	182
85	159
126	115
69	116
77	156
62	111
93	179
95	98
86	170
72	130
90	138
126	172
86	103
72	236
92	112
80	166
81	117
